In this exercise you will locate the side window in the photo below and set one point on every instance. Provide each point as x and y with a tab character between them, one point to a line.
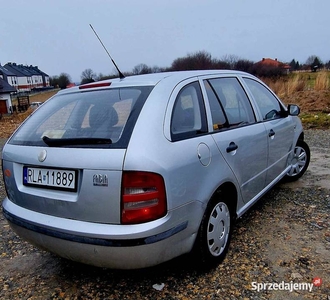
188	116
229	103
219	120
269	106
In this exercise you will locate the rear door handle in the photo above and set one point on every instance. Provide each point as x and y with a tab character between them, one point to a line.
271	133
232	147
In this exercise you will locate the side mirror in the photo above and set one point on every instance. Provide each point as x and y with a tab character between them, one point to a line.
293	110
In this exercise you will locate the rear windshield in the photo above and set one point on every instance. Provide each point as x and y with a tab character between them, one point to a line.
102	118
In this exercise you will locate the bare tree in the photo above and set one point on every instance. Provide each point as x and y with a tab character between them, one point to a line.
310	60
87	76
196	61
327	65
156	69
244	65
314	62
231	60
141	69
104	77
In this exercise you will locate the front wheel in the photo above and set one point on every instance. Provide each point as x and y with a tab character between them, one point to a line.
299	162
214	234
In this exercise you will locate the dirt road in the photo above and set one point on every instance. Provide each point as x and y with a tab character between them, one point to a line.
282	243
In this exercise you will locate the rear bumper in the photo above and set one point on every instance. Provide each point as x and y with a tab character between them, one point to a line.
104	245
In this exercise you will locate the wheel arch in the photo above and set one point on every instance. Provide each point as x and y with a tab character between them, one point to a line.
301	136
229	192
226	192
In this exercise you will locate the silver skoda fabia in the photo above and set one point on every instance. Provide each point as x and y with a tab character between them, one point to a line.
129	173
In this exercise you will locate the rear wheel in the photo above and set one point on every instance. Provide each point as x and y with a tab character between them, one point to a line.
299	162
214	233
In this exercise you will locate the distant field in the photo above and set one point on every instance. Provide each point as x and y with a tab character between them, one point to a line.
39	97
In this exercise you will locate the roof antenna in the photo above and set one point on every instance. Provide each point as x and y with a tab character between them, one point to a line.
121	75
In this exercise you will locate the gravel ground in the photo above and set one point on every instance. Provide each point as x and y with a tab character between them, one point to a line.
284	239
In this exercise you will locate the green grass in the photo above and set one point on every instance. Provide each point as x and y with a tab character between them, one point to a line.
317	120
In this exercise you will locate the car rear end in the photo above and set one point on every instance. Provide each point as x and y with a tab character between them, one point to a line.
67	191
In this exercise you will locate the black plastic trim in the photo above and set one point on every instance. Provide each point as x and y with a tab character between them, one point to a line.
94	241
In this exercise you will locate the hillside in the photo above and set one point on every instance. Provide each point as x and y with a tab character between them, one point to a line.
310	101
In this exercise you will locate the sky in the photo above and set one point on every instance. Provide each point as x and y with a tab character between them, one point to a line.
56	36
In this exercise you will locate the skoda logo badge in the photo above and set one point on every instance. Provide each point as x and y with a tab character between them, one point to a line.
42	155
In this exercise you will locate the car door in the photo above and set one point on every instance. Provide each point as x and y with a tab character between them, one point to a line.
241	140
191	157
279	127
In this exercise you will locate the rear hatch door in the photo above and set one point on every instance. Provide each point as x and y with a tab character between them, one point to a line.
66	160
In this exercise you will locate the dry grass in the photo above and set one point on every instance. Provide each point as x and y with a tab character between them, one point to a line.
40	97
298	82
287	85
322	81
8	124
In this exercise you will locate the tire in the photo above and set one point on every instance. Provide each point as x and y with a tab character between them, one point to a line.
299	162
214	233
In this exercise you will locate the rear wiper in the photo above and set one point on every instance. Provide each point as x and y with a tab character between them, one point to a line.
75	141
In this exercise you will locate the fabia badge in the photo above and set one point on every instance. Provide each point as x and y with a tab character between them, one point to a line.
100	180
42	155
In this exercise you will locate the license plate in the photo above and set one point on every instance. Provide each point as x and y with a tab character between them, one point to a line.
50	178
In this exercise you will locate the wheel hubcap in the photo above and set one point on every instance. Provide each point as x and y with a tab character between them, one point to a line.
298	161
218	229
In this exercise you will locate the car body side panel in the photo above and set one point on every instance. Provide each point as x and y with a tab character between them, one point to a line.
187	180
189	174
249	161
282	134
279	145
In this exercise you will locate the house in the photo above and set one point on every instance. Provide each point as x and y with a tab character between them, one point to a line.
44	77
28	77
35	76
9	77
24	78
5	96
274	63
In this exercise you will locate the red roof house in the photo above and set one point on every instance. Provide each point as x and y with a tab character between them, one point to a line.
268	62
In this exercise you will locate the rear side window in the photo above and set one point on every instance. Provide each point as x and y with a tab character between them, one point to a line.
85	116
188	116
268	105
230	106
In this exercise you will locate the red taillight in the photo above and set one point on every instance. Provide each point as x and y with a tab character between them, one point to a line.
94	85
143	197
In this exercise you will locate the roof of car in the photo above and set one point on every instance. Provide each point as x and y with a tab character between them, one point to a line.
150	79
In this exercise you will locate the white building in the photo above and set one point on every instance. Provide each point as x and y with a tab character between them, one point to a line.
5	97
